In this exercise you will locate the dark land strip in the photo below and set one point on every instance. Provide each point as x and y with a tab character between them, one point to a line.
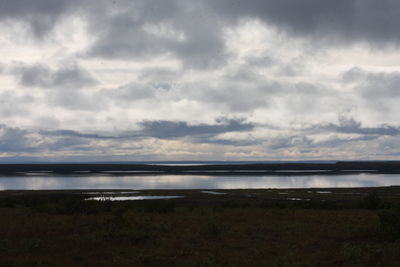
388	167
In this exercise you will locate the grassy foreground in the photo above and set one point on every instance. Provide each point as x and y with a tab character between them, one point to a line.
304	227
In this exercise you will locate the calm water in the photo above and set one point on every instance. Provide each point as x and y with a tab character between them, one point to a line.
102	198
48	182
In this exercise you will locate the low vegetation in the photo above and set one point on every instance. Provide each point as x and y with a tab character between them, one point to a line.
353	227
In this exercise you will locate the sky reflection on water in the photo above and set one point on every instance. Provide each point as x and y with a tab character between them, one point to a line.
195	182
132	198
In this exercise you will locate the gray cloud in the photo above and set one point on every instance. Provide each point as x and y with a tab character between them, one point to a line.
158	74
15	140
290	141
12	104
40	75
71	133
134	91
75	100
171	129
40	15
62	143
305	143
374	85
133	29
192	31
341	20
187	30
233	96
365	20
280	80
226	142
334	142
351	126
167	130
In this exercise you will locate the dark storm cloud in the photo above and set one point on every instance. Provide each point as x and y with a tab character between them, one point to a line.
40	75
345	20
351	126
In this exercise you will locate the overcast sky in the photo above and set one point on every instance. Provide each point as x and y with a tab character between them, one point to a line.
199	80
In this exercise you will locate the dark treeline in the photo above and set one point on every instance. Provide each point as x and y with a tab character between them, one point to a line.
212	169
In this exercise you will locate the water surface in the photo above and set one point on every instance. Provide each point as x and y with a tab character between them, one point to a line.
114	198
49	182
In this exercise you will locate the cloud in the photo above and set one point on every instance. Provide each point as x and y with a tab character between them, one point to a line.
227	142
139	29
40	75
341	20
171	129
12	104
232	96
133	91
336	141
15	140
351	126
71	133
41	15
63	143
194	31
374	85
186	30
166	130
290	141
156	74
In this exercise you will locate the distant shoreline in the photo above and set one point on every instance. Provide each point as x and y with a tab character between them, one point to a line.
295	168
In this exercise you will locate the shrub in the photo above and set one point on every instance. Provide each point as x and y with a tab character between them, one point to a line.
390	223
372	201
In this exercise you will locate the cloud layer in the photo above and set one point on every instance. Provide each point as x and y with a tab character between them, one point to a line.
223	80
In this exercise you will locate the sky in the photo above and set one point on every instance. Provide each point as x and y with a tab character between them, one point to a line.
136	80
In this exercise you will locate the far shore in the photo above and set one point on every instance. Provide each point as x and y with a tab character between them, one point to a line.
336	168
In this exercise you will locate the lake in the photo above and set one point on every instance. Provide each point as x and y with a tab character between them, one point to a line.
52	182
